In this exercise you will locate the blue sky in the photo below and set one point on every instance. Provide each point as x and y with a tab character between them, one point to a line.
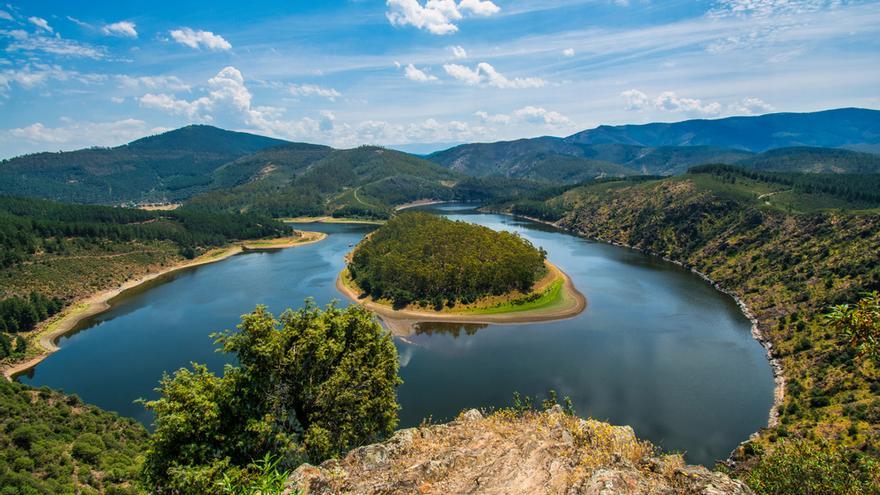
423	73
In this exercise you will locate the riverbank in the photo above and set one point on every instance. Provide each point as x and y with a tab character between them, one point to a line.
329	219
567	303
758	333
48	332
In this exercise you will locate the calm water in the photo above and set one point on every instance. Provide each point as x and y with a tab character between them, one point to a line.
657	348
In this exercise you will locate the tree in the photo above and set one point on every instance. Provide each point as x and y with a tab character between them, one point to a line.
859	324
309	386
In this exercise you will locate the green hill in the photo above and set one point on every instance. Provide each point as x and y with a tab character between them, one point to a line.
167	167
814	160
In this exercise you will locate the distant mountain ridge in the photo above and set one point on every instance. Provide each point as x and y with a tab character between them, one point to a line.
669	149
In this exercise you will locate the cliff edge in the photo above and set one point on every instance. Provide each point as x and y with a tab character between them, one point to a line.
506	453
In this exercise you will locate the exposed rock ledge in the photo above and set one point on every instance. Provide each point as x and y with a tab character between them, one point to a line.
537	453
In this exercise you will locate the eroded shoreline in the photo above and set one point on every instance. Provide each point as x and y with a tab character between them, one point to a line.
50	331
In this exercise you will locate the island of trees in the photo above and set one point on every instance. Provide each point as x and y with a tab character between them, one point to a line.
430	260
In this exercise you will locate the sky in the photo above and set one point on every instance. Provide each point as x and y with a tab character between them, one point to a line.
419	74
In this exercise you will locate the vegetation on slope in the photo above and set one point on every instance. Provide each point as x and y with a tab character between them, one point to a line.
167	167
309	386
434	260
54	444
814	160
789	259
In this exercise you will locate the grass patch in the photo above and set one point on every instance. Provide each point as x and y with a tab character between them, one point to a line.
551	297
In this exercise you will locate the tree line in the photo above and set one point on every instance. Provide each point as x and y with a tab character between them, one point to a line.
850	187
419	257
31	225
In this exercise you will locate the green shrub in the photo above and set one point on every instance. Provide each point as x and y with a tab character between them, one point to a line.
803	467
88	447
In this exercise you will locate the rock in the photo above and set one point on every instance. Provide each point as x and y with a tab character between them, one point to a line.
547	453
471	415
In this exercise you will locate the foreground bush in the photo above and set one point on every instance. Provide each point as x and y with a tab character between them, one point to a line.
803	467
310	385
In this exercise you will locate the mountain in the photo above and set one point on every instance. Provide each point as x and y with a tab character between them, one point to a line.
166	167
844	127
561	160
814	160
669	149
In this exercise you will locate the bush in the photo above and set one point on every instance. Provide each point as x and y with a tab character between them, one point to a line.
803	467
88	447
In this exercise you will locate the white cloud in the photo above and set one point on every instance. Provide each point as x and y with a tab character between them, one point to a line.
82	134
199	39
528	114
193	110
314	90
568	52
762	9
458	51
414	74
538	115
635	99
41	23
479	7
36	75
117	99
6	15
436	16
500	118
22	41
485	73
463	74
171	83
79	23
751	106
669	101
124	29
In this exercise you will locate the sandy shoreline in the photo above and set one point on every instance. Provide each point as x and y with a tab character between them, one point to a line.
401	322
58	326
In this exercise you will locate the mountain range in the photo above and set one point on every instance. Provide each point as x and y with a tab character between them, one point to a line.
219	169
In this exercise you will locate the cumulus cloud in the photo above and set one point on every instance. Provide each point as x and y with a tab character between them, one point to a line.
751	106
528	114
41	23
436	16
414	74
635	99
314	90
200	39
6	15
458	51
479	7
499	118
486	74
193	110
669	101
538	115
568	52
123	29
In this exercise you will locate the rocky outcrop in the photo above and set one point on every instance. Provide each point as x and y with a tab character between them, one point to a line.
506	453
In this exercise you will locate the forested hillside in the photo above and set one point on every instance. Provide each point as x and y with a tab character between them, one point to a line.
790	252
165	168
51	443
814	160
419	257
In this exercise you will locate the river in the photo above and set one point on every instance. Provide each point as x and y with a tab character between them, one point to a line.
657	347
